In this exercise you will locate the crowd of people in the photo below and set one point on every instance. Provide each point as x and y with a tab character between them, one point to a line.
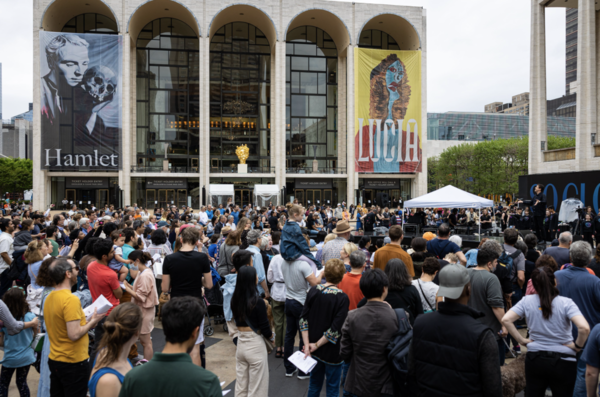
379	319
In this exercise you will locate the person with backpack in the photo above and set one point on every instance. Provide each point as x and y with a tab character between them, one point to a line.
453	341
366	334
517	270
441	246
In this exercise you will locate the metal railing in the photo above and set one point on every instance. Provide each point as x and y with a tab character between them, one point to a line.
234	170
181	170
320	170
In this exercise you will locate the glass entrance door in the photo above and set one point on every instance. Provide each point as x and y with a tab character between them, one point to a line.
102	198
71	197
87	198
171	197
369	197
151	201
328	198
299	195
181	197
243	197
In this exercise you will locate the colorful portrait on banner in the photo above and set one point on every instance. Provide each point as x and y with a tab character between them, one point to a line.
387	92
81	107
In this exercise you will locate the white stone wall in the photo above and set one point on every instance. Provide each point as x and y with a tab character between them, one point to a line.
344	26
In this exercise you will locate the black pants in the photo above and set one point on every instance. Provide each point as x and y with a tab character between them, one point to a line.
589	237
548	369
293	311
6	376
68	379
538	227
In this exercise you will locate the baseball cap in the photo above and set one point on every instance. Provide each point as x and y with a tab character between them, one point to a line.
162	224
453	279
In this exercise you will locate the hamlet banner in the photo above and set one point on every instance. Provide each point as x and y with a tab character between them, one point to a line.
80	101
387	92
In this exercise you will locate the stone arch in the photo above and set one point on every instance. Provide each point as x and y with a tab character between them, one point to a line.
326	20
156	9
397	26
59	12
242	12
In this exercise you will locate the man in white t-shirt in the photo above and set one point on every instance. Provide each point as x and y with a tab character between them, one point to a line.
6	243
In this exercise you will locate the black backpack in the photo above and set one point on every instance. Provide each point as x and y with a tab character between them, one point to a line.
397	353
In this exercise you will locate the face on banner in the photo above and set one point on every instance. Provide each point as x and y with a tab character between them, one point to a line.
388	111
80	101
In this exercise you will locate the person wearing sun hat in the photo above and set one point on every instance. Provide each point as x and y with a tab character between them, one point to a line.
454	327
332	249
428	236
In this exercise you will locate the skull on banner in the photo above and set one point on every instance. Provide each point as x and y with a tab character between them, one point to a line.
101	83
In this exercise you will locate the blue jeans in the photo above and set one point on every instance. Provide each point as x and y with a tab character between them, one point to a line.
318	374
293	311
345	368
580	390
501	351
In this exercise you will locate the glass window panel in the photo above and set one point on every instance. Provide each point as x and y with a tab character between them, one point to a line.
332	95
168	77
322	83
331	144
167	42
142	61
331	119
142	114
299	63
215	69
287	93
142	89
322	130
153	77
295	82
297	35
287	116
159	57
240	30
264	93
311	34
228	35
305	49
264	118
330	52
319	38
310	131
265	68
318	106
159	102
252	34
89	21
289	48
215	92
332	71
287	68
191	44
300	105
329	44
308	83
180	28
376	38
318	64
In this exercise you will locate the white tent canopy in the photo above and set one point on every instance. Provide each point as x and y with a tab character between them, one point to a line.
263	194
449	197
219	194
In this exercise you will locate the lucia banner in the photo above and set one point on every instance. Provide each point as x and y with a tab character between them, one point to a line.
80	101
387	104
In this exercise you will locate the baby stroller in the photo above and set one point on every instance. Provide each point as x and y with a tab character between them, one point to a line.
214	304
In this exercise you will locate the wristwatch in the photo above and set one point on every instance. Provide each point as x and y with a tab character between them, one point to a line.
577	346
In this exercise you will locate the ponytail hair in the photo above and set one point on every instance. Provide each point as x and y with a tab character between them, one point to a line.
143	256
120	326
32	252
544	283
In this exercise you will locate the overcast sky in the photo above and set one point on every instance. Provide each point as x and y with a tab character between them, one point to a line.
478	52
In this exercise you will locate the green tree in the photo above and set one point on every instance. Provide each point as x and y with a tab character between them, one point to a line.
16	175
486	168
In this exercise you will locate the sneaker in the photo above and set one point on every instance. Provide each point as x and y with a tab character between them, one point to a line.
305	376
289	375
517	349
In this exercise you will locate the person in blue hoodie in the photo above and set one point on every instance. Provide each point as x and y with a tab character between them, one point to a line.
240	259
293	244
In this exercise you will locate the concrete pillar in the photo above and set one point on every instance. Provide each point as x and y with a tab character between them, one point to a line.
587	104
421	180
204	151
40	198
278	119
127	123
350	132
342	144
538	128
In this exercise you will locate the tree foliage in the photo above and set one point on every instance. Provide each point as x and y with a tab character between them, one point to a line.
486	168
16	175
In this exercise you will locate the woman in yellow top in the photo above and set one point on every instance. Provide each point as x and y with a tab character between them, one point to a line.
346	214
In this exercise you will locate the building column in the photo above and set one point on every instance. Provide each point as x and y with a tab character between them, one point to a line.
538	129
204	118
422	177
278	119
40	198
587	104
128	125
342	145
352	179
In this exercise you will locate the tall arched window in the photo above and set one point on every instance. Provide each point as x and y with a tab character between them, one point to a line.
377	39
168	96
240	97
311	99
91	23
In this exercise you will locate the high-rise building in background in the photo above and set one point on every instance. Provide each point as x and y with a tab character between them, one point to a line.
519	105
571	49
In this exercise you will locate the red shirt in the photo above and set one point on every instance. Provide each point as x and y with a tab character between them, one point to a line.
103	281
351	286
